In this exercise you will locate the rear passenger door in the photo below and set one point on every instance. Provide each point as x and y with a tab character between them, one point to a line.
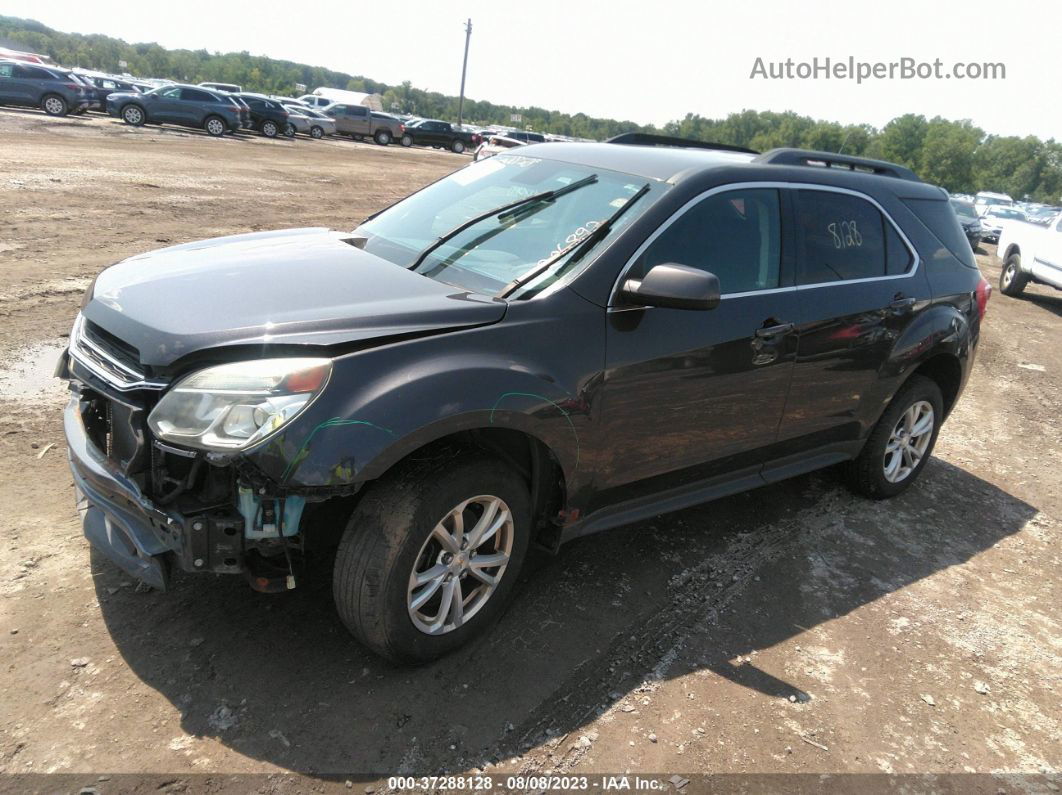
195	106
860	287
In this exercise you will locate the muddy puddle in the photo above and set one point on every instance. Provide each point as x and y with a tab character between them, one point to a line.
29	375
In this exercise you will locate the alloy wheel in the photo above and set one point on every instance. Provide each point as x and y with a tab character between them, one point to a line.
460	565
909	441
215	127
53	105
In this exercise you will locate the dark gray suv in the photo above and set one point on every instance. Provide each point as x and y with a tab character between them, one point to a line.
187	106
55	91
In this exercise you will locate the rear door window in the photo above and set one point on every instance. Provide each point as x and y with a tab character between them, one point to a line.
195	95
735	235
842	238
7	70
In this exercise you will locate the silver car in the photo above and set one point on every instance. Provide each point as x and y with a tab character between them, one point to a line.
309	121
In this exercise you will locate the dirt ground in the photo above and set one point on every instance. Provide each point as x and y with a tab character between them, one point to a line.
794	629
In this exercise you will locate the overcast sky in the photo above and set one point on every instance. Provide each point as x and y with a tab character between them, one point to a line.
648	62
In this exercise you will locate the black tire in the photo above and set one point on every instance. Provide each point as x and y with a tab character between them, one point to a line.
1012	281
270	128
382	137
289	130
406	140
215	126
54	105
386	536
457	147
134	115
866	474
316	132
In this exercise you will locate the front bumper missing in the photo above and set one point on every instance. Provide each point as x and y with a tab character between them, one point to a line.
133	533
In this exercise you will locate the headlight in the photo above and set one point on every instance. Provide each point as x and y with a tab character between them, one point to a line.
232	406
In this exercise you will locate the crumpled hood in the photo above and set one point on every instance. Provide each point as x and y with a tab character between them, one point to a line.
293	286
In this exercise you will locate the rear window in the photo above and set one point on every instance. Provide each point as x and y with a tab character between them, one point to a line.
843	237
939	218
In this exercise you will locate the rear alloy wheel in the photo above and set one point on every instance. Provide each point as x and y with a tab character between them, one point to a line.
406	140
214	126
1012	281
457	147
54	105
900	444
430	556
133	115
382	137
316	132
270	129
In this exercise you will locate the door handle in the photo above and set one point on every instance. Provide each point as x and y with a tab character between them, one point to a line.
774	331
901	304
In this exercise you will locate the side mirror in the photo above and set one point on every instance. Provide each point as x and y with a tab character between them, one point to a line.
675	287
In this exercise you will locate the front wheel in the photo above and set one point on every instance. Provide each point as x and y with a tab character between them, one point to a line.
270	129
900	444
406	140
55	105
382	137
316	132
133	115
1012	281
430	556
289	130
457	147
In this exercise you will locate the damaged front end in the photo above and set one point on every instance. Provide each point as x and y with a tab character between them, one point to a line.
158	469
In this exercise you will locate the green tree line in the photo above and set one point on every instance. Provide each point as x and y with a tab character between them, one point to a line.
955	154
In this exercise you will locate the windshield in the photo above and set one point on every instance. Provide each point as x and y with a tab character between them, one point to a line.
964	210
1003	212
498	250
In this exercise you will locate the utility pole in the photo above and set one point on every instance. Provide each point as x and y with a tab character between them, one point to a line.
464	68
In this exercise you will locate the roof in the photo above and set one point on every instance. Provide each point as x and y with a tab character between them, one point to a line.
652	162
677	165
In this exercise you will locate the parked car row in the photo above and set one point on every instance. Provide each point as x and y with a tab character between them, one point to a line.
225	108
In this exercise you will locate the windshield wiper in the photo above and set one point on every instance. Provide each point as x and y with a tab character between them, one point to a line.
503	212
579	247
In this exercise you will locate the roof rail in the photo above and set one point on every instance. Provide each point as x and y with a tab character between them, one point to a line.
806	157
648	139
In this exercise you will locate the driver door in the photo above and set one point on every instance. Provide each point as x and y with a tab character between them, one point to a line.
164	105
691	395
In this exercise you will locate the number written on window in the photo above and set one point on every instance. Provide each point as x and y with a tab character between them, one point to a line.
845	234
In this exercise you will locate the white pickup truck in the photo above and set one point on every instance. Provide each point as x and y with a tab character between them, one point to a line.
1030	253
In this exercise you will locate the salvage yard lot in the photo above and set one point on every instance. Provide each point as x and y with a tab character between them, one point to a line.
796	628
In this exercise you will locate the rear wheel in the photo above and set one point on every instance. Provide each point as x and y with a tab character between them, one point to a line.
457	147
270	129
1012	281
54	105
430	556
382	137
900	444
316	132
215	125
133	115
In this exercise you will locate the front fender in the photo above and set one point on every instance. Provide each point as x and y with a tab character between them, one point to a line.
384	403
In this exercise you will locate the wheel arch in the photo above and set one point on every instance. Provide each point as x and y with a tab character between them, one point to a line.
945	370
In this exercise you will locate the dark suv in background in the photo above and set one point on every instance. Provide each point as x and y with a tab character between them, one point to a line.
186	106
267	115
534	348
55	91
